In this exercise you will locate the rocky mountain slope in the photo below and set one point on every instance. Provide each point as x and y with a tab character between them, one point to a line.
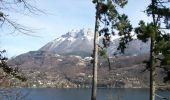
76	42
65	62
45	69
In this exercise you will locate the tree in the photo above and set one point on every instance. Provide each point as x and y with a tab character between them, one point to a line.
95	53
159	39
17	6
9	70
107	14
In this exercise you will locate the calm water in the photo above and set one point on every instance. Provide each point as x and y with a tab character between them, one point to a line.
84	94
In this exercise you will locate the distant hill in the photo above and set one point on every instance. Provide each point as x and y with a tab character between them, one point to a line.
45	69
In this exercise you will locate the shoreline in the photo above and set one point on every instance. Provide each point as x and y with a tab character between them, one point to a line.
15	87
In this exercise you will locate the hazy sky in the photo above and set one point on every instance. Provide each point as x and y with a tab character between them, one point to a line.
61	16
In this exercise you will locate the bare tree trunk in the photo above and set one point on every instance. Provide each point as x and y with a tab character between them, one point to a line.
152	72
108	60
95	53
152	59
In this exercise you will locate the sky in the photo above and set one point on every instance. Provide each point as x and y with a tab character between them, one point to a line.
60	17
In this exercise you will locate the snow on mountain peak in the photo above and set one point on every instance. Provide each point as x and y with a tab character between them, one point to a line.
82	33
77	42
80	42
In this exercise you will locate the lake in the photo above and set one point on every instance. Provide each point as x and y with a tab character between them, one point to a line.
84	94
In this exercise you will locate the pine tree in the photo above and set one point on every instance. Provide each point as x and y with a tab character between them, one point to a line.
159	39
107	14
95	53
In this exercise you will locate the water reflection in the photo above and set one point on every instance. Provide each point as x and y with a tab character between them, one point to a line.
84	94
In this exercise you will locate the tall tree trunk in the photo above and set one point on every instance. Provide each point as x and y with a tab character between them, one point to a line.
152	72
95	54
152	58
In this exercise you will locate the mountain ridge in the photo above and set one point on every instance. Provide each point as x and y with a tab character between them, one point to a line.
80	42
65	62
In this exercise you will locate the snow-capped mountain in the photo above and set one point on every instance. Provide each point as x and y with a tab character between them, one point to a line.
75	42
80	42
49	65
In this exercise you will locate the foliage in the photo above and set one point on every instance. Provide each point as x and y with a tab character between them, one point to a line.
157	31
103	53
125	28
144	31
17	6
161	11
106	13
112	20
9	70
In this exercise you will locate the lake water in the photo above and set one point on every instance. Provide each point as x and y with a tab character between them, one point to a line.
84	94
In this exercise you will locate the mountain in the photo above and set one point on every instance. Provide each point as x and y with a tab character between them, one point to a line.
75	42
46	69
80	42
65	62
